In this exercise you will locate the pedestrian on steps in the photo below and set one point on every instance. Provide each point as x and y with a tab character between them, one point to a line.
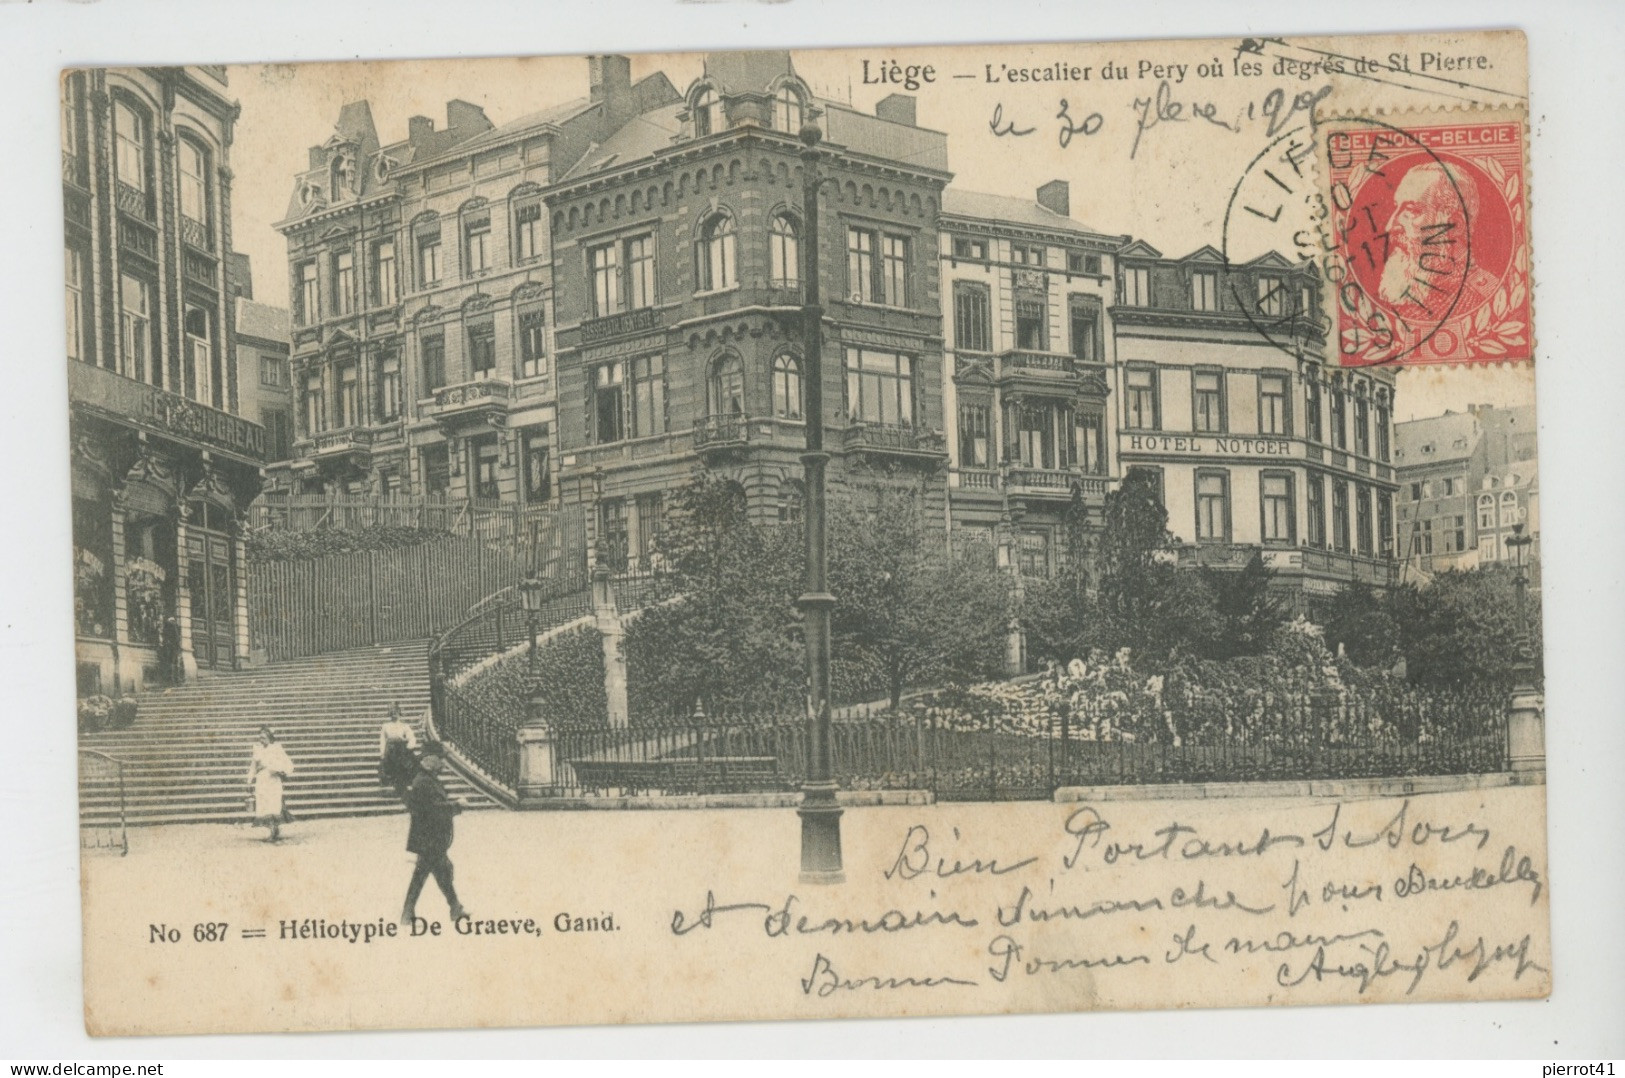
267	771
431	832
397	758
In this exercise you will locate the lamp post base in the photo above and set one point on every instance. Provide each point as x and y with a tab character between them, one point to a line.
820	835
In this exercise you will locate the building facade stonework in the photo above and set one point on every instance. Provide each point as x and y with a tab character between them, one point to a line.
1258	444
678	262
1468	482
592	304
164	459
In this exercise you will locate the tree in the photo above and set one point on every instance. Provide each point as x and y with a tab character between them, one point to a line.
1462	629
1060	616
1362	623
1247	613
731	638
904	601
1145	602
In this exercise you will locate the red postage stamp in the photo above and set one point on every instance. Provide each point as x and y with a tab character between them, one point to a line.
1430	239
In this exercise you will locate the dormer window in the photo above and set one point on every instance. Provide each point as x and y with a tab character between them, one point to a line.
788	112
1136	286
1204	291
707	110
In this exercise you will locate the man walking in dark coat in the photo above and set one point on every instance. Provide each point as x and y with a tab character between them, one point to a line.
430	835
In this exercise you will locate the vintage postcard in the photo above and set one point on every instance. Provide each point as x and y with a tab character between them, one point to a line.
778	535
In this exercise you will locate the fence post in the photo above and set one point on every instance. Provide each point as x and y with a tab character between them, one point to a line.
607	618
372	597
1526	733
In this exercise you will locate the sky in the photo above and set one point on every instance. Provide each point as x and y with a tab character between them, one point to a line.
1176	200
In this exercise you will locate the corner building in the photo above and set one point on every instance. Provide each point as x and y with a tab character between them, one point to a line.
163	462
1256	441
678	260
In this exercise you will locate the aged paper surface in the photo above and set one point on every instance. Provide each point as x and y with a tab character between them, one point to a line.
1276	289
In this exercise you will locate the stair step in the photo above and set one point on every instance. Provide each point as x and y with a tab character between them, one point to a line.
186	755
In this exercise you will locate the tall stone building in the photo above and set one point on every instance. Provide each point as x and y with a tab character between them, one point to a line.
677	260
421	284
1257	442
1028	368
164	461
1467	480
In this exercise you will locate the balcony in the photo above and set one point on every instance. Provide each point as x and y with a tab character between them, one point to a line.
978	479
642	320
1053	483
1046	371
195	234
722	432
73	170
132	201
896	442
334	445
1322	571
483	400
1025	361
160	412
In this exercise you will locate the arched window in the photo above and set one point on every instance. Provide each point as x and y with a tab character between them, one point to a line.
1509	509
717	266
787	111
199	355
706	112
784	252
787	387
726	393
132	135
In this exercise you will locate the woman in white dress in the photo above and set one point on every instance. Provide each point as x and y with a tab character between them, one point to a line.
266	774
397	760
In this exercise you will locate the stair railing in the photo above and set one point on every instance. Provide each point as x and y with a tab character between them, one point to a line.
99	761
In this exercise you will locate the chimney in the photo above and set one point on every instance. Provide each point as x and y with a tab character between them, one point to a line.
611	80
463	115
898	108
318	157
1056	196
419	128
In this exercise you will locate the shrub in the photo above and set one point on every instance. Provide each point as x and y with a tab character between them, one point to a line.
287	545
568	686
94	712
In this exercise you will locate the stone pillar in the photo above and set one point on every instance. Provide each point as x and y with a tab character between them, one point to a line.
541	772
1007	539
239	575
183	597
608	619
121	602
1526	732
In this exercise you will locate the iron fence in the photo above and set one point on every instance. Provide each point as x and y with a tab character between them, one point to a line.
957	755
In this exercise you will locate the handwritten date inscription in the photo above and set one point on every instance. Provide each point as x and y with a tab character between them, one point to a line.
1098	905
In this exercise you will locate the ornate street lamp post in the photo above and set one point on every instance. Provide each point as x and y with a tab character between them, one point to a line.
820	815
1523	668
1526	725
530	598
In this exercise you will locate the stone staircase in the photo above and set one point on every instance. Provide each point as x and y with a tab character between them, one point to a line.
186	756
